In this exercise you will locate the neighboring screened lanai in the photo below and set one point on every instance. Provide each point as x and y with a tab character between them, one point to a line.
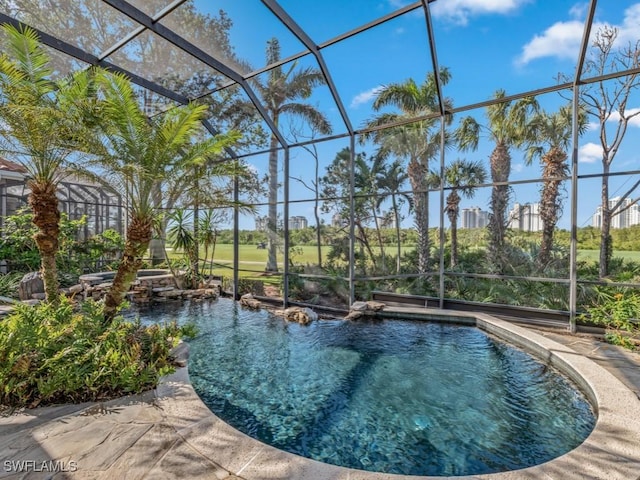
456	152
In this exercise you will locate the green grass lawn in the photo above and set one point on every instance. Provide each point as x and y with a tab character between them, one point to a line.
595	255
254	259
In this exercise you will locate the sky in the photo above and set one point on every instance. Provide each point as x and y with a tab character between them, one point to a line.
516	45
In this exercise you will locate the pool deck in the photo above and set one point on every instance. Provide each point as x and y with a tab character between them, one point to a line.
169	433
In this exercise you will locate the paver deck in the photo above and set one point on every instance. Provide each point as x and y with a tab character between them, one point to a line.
168	433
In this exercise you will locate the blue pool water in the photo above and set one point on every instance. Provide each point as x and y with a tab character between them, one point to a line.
390	396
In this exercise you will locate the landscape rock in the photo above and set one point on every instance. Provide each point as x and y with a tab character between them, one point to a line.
75	289
31	283
248	301
358	306
303	316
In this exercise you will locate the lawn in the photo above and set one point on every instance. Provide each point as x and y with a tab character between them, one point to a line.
594	255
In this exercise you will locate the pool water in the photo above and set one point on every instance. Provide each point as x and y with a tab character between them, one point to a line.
393	396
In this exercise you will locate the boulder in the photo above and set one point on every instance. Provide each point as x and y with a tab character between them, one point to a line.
375	306
31	283
359	306
248	301
303	316
75	289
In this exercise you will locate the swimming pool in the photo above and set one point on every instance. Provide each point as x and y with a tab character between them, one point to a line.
392	396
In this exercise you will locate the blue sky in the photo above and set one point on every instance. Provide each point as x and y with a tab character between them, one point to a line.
517	45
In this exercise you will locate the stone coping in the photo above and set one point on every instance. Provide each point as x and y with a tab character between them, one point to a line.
611	451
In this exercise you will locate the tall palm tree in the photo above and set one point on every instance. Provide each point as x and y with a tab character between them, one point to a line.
550	138
40	124
391	183
136	153
281	94
507	128
463	177
418	142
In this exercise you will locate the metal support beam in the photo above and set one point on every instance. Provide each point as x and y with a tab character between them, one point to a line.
443	127
352	207
285	280
575	140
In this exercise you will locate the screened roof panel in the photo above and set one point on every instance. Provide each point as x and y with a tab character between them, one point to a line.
361	72
518	48
152	57
91	25
153	7
302	113
323	21
235	32
239	114
616	23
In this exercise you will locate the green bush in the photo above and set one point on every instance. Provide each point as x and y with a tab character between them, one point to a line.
54	354
618	312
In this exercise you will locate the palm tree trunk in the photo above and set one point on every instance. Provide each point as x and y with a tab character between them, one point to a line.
417	176
272	216
500	169
554	167
453	205
398	237
380	241
138	238
46	217
606	247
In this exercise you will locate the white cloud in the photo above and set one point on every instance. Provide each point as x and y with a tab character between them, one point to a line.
634	122
591	126
579	11
590	153
365	97
459	11
562	39
517	167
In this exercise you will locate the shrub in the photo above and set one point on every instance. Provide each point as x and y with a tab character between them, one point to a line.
54	354
619	313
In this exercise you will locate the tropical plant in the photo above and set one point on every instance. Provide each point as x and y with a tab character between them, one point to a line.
462	177
507	128
619	312
550	137
208	232
54	353
136	153
181	237
281	94
40	124
417	142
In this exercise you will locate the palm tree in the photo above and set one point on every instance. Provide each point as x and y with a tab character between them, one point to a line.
507	128
137	153
391	183
281	94
40	124
551	136
181	236
463	177
418	142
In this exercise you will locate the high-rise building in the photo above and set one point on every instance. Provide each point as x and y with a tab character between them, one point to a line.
474	217
627	218
298	223
525	217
